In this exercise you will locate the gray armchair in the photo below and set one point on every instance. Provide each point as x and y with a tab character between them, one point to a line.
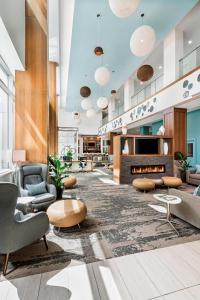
34	174
18	230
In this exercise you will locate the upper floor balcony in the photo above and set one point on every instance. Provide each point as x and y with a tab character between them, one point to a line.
188	63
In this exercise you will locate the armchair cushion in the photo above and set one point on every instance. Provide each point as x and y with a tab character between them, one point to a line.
43	198
197	169
36	189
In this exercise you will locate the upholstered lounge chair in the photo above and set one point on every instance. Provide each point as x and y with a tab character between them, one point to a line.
34	174
18	230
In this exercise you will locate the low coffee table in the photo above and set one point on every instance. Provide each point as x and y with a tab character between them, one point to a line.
169	200
67	213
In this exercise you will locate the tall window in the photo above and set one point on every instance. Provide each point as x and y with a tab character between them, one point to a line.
6	115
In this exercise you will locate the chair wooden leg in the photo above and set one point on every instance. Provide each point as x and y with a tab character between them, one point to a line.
5	263
45	242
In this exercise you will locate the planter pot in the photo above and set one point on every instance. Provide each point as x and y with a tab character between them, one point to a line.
59	193
183	176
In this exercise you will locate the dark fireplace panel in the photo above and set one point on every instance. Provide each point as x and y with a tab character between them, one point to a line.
147	169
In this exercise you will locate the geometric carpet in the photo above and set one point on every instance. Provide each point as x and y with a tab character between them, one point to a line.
119	222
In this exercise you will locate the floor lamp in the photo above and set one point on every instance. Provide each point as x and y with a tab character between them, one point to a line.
18	157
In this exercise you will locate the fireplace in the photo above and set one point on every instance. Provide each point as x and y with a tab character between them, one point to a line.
147	169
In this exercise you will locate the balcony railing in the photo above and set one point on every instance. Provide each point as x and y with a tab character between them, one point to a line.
147	92
189	62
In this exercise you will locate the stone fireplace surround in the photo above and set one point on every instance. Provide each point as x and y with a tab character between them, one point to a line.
128	162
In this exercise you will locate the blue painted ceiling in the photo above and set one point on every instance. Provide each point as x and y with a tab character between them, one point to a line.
113	34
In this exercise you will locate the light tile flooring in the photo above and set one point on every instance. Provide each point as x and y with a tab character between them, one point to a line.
171	273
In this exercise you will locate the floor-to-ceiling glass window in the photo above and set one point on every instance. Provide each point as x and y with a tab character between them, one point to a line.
6	115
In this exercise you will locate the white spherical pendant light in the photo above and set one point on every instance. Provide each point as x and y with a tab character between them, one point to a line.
102	76
143	40
90	113
102	102
86	104
123	8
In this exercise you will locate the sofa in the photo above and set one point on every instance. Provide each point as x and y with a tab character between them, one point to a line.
192	177
189	209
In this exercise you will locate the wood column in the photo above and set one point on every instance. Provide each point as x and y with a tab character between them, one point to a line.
53	120
175	123
32	109
111	136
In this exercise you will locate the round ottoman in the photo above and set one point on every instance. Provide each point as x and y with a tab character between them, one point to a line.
172	182
144	184
66	213
69	182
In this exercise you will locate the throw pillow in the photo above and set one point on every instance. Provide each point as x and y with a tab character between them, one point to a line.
36	189
197	191
197	169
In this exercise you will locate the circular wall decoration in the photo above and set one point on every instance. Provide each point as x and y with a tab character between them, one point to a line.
85	91
98	51
123	8
142	40
145	73
185	83
198	78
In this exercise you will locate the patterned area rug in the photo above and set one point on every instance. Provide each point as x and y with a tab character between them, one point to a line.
119	222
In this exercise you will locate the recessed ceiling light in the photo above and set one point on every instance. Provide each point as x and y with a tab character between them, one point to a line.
160	67
141	82
190	42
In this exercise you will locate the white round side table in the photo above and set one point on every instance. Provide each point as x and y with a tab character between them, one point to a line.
168	200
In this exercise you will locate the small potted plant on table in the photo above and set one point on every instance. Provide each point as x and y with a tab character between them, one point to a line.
183	164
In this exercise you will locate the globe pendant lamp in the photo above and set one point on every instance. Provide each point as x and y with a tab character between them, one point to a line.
102	102
123	8
86	104
142	40
90	113
102	76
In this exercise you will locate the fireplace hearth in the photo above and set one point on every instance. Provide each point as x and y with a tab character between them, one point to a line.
150	169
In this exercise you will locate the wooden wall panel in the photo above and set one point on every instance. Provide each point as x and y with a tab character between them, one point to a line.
32	116
175	123
53	123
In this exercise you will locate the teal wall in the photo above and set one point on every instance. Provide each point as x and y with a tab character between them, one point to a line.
193	134
156	126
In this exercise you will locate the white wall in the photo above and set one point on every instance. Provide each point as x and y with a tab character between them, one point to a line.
53	22
86	127
12	13
66	12
173	52
8	51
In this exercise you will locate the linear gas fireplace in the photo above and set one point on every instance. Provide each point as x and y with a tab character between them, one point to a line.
147	169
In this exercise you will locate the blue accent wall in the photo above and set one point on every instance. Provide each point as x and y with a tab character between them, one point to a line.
156	126
193	134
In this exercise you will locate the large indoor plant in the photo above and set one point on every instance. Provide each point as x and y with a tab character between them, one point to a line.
57	172
183	164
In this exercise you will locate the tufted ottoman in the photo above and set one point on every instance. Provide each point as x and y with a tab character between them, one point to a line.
67	213
172	182
143	184
69	182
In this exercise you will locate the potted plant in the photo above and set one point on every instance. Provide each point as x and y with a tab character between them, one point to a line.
183	164
68	153
57	172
